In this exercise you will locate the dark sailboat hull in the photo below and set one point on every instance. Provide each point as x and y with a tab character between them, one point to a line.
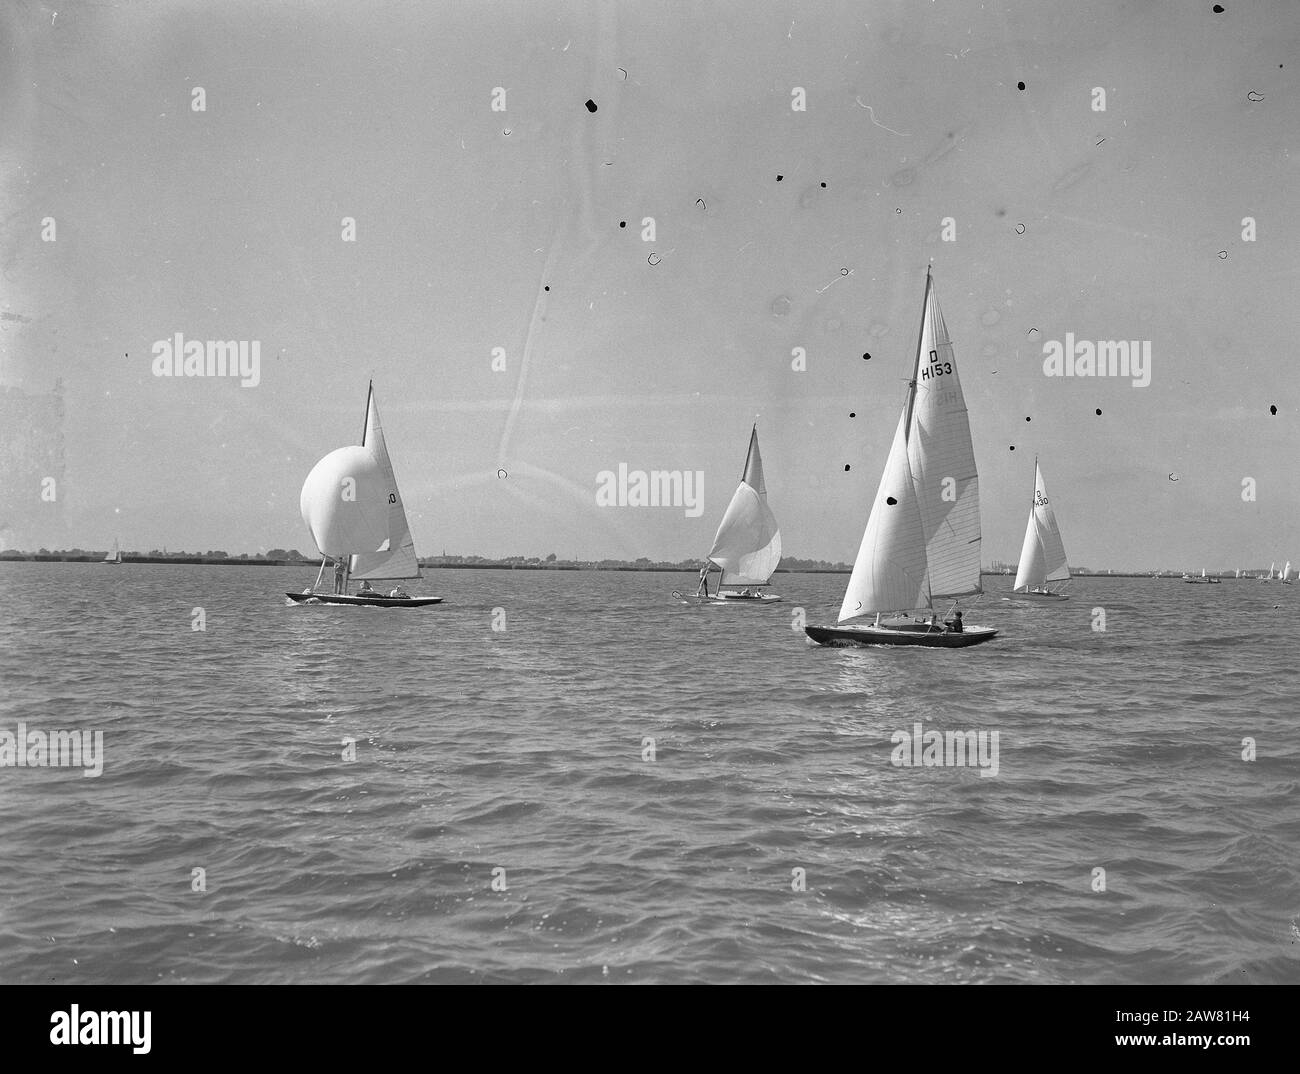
900	635
372	602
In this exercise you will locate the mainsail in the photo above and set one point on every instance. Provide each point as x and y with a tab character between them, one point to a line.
942	461
922	541
747	545
351	505
1042	556
396	558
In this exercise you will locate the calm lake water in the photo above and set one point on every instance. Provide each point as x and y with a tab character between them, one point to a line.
480	750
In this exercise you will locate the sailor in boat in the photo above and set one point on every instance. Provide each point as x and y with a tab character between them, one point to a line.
338	577
366	590
703	590
954	624
398	591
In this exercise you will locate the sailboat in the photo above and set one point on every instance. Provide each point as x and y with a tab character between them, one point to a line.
1269	577
747	546
115	556
1042	556
351	505
1288	576
922	541
1206	578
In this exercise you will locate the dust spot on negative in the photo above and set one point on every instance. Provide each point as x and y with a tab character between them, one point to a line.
1020	85
1000	212
1223	255
854	413
653	259
1013	447
1272	410
622	223
823	186
1073	176
891	501
866	357
1020	229
846	467
1099	412
1253	96
1217	9
547	287
781	305
779	178
1032	331
591	106
1029	419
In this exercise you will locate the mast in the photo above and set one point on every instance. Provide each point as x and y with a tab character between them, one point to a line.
911	404
749	451
365	418
916	365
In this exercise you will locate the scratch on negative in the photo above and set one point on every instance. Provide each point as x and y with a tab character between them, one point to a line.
877	122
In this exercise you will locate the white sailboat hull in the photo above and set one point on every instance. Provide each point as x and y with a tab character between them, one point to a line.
732	599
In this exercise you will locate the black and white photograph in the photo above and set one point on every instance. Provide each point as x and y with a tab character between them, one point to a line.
648	492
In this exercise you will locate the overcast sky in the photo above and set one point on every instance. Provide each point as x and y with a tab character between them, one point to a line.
227	224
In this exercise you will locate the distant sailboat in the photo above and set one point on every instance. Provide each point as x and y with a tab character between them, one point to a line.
922	541
747	546
354	511
1207	578
115	556
1269	577
1042	556
1288	575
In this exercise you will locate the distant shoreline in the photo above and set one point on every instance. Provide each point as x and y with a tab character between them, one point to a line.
497	565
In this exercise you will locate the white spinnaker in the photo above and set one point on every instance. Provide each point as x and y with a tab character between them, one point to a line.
889	573
395	558
747	545
942	463
1042	556
342	502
